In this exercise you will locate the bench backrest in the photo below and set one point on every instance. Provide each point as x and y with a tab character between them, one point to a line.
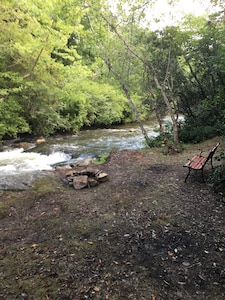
212	152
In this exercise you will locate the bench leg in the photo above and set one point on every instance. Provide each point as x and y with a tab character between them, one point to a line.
188	174
211	162
189	171
203	176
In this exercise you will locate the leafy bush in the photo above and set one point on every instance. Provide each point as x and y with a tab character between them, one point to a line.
217	177
11	120
217	180
195	133
159	141
156	141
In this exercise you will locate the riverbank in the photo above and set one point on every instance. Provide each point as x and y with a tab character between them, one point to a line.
144	234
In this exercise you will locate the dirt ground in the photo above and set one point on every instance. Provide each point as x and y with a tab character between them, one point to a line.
143	234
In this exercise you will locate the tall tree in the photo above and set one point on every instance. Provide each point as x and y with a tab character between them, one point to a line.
139	52
202	93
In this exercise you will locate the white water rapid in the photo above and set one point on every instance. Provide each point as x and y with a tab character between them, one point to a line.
17	161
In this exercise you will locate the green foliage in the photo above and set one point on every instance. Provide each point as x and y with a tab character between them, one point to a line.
102	159
217	176
106	105
88	102
12	122
51	71
206	126
217	179
56	75
159	141
202	93
190	134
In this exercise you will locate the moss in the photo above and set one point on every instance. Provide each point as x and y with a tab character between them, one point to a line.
101	160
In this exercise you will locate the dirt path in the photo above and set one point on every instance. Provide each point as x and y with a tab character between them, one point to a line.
144	234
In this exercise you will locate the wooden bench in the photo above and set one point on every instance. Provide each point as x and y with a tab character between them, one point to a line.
198	162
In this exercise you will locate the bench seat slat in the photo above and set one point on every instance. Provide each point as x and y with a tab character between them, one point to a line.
196	163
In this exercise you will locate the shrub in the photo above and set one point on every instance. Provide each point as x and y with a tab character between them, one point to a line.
217	177
201	128
217	180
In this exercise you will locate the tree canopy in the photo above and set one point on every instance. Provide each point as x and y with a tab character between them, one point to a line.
69	64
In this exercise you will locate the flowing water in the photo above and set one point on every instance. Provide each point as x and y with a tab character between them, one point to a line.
87	143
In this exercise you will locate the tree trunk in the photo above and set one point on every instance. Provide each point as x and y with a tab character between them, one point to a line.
161	128
201	88
176	146
36	61
136	115
170	109
132	105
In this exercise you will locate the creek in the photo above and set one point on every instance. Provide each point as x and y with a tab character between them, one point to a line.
88	143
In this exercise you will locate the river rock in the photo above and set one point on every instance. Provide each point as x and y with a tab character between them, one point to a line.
92	182
66	167
83	163
102	177
19	182
40	141
80	182
25	145
132	130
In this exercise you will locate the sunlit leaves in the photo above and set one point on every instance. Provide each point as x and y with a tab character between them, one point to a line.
11	123
56	60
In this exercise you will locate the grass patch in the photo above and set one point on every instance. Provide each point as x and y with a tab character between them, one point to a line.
3	210
45	185
101	160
